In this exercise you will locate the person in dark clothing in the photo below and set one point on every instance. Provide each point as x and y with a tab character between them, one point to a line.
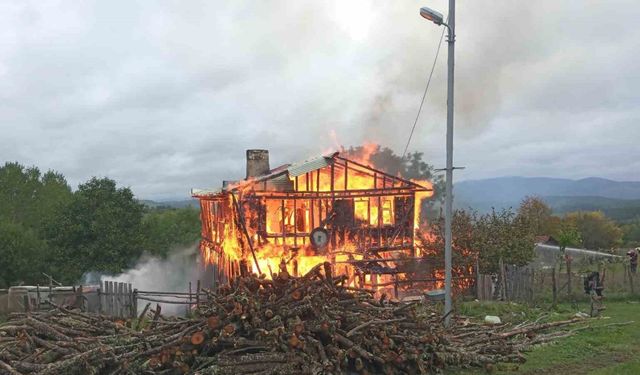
633	259
593	286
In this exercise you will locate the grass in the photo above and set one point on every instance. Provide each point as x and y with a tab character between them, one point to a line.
598	350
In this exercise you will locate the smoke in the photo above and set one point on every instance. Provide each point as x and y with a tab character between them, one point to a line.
172	274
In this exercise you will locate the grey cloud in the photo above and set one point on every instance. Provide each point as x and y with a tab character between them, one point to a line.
167	96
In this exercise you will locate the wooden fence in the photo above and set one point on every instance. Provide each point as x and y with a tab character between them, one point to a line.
529	285
117	299
121	300
110	298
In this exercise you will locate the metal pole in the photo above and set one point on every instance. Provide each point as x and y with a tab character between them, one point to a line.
448	214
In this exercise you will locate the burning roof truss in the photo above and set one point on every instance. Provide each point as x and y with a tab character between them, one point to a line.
265	223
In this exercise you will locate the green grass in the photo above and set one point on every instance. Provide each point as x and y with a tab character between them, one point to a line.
597	350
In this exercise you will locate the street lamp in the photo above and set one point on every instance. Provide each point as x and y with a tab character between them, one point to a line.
431	15
438	19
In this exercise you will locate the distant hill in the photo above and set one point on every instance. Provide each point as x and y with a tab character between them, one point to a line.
617	199
171	204
622	210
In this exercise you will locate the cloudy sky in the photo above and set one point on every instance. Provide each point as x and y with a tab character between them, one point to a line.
165	96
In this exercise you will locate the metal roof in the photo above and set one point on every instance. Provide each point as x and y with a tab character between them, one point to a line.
309	165
203	192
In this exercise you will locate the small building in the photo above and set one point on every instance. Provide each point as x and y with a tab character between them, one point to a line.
290	218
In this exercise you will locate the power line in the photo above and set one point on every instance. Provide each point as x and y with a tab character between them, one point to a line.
424	95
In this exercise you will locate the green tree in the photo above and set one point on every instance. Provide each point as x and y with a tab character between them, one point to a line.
596	230
500	235
54	195
567	236
166	229
21	254
30	198
631	233
464	251
99	230
537	215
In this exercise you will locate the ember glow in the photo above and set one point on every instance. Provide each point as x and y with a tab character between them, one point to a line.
364	219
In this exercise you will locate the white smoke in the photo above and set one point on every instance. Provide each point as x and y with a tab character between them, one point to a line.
154	274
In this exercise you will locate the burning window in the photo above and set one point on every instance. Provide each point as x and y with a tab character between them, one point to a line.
366	209
287	215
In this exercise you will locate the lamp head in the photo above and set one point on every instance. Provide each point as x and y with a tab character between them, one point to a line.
431	15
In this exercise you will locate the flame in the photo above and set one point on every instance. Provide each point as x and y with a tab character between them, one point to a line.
283	246
420	197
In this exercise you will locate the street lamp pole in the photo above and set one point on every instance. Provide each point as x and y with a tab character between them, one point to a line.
448	208
437	18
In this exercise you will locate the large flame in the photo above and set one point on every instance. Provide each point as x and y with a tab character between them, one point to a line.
274	252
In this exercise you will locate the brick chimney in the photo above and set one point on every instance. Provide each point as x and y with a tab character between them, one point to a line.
257	163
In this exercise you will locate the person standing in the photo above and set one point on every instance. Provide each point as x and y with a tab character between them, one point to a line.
633	259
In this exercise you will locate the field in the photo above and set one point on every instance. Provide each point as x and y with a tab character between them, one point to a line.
606	347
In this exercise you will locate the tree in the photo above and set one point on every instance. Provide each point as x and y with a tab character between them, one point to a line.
464	251
567	236
165	229
537	215
596	230
21	254
100	230
30	198
631	233
500	235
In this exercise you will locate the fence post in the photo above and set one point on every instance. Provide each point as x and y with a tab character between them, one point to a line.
188	306
503	280
121	300
132	312
105	296
532	285
110	298
554	286
100	299
198	296
38	297
477	266
568	259
134	296
631	281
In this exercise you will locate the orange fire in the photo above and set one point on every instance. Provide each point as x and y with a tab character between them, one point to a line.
273	252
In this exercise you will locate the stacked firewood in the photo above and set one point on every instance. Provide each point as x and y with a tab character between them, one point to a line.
289	325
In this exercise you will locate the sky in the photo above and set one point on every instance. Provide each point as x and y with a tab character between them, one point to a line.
166	96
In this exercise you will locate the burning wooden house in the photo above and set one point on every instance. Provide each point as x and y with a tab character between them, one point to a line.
328	208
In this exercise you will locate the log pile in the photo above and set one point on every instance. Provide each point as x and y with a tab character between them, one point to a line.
307	325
